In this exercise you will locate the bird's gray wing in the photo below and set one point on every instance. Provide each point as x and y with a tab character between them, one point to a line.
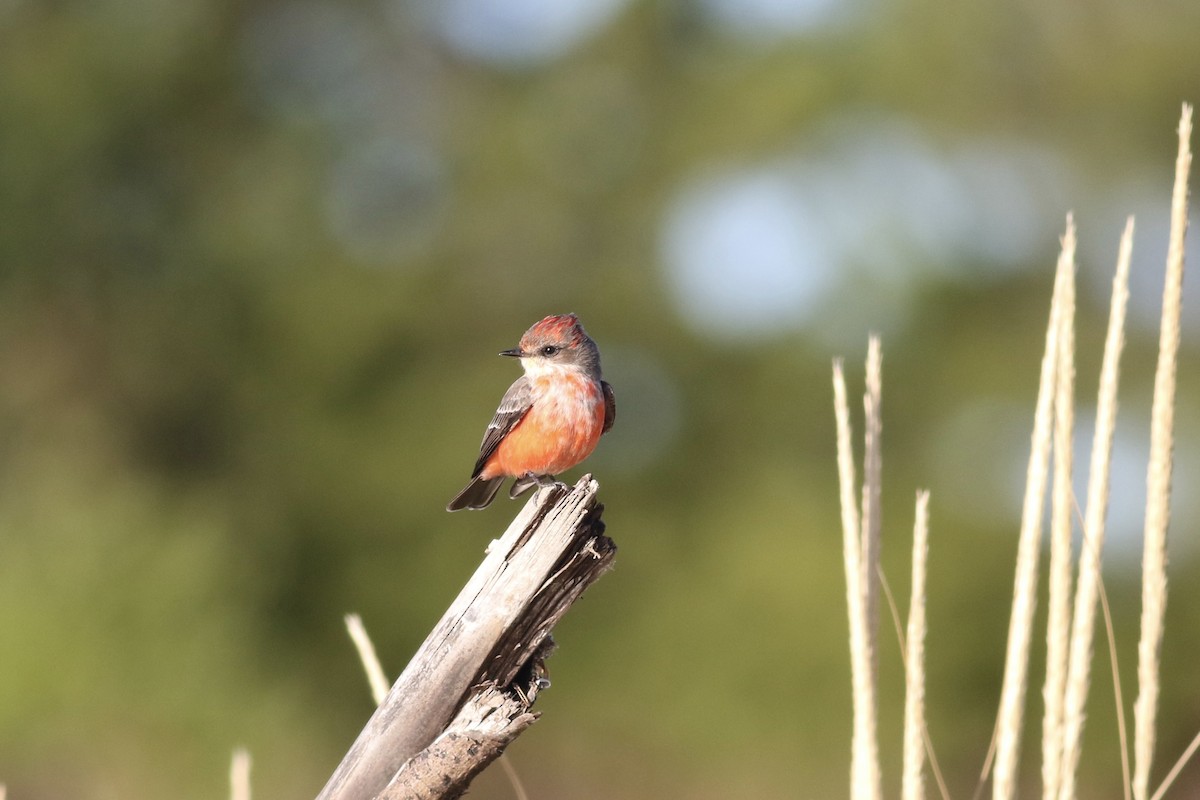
513	407
610	406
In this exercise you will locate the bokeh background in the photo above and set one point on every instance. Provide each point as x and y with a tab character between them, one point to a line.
257	257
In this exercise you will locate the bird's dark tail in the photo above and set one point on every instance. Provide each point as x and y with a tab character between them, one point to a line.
479	493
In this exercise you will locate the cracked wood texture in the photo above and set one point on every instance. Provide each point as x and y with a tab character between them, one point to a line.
487	649
486	725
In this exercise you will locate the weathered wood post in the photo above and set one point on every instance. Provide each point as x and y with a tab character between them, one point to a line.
467	692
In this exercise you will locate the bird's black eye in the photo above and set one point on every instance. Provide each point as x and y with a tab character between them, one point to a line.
549	350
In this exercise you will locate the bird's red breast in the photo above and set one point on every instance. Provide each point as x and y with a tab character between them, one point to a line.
561	429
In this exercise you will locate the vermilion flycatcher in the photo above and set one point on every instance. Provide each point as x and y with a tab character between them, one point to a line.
549	419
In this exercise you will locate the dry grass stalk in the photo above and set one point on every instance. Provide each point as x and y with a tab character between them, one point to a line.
1058	628
1158	479
898	627
370	661
1118	700
1091	552
872	521
514	779
239	775
864	764
913	782
1020	629
1172	775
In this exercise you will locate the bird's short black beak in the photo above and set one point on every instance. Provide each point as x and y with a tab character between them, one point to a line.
515	352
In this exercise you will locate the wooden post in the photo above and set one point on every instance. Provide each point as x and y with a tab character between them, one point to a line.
481	666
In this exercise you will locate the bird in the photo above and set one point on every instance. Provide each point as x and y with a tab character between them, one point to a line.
549	420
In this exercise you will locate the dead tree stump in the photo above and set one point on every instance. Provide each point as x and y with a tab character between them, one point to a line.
467	692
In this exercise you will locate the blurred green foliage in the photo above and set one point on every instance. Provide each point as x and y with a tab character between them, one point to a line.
241	374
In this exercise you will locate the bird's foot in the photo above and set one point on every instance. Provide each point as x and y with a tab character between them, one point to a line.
544	481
